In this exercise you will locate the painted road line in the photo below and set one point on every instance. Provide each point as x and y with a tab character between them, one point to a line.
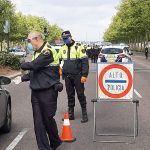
137	93
17	139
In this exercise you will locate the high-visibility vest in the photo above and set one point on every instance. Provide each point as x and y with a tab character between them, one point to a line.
76	52
54	52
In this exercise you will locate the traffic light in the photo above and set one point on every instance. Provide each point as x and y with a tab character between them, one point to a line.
45	32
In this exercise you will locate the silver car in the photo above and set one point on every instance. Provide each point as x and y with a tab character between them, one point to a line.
18	52
5	106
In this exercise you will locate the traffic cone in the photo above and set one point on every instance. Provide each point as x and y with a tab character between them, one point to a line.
66	135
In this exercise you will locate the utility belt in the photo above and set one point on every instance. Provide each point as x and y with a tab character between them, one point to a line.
68	75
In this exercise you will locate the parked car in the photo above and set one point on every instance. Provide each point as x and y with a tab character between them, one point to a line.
114	54
18	52
5	106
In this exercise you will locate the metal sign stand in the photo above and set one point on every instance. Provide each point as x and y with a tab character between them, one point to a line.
135	126
132	136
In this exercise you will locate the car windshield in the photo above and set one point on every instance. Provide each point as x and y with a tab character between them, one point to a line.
111	51
16	50
19	50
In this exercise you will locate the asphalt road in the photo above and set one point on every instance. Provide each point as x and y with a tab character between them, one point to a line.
112	118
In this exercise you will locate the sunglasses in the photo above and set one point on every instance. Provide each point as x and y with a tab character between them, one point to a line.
29	40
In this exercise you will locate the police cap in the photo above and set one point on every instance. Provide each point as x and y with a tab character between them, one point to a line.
66	34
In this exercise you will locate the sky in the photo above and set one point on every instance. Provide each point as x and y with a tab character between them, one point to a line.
87	20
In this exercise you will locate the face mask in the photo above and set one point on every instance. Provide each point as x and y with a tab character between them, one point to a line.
67	40
30	48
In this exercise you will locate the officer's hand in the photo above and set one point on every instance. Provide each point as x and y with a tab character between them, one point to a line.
17	80
24	71
83	79
23	65
60	71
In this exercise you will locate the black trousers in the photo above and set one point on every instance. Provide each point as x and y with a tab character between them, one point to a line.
44	105
72	83
146	55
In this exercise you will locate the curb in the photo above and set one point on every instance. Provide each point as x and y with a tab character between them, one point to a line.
14	75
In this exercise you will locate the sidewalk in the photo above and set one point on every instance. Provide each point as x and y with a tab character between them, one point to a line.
10	73
14	75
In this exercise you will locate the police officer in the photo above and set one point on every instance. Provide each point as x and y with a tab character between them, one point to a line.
75	71
44	83
146	52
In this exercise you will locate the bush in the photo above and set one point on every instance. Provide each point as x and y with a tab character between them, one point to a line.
9	60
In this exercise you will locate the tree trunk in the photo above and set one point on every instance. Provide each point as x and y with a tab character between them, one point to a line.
1	45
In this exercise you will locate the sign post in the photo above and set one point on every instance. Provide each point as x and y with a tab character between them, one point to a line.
115	84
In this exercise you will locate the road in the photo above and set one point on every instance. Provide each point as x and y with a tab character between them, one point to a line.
111	118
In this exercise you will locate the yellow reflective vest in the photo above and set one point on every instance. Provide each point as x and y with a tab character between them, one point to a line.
75	59
47	48
44	68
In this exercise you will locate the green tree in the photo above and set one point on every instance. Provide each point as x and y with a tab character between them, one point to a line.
25	24
7	13
131	23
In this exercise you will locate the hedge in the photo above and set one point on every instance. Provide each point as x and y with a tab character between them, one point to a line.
9	60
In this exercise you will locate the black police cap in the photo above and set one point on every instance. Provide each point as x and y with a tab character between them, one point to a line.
66	34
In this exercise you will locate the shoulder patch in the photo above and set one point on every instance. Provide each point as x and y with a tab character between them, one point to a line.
46	52
83	51
64	51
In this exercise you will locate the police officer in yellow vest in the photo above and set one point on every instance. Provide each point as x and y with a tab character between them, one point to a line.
75	71
44	83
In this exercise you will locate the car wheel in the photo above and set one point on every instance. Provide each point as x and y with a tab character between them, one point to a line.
7	125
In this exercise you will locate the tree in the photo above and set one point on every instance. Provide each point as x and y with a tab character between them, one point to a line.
131	23
25	24
7	13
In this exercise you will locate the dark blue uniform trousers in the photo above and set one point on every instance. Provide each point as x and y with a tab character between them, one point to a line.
44	105
73	82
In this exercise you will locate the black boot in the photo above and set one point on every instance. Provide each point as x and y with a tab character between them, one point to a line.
71	113
84	115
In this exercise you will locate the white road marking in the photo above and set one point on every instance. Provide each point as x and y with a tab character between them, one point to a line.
137	93
17	139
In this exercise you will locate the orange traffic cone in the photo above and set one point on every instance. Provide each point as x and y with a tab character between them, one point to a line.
66	135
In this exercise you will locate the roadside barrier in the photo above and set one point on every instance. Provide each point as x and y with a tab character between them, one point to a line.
114	84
